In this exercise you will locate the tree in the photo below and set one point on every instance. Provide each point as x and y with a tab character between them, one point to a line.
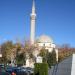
54	57
7	49
51	58
41	69
20	54
43	53
65	51
20	59
28	49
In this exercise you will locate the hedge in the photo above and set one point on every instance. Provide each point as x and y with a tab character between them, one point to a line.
41	69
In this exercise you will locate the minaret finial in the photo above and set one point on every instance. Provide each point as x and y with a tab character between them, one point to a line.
33	7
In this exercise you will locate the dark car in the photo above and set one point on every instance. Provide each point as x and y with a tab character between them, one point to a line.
1	65
20	70
11	70
16	70
27	70
30	70
3	72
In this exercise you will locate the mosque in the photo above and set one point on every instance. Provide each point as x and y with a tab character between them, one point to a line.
43	40
66	67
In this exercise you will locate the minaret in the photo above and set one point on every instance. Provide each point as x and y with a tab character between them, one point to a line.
33	19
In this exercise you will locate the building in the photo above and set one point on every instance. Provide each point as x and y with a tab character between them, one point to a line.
48	43
43	40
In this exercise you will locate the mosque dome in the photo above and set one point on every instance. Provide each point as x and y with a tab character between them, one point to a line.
45	39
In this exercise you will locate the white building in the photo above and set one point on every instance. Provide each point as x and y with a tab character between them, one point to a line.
42	41
47	42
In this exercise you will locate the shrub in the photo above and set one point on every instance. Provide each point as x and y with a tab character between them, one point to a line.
41	69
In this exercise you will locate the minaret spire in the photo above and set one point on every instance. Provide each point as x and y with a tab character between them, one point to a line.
33	19
33	7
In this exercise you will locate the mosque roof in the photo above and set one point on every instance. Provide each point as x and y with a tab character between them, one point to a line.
45	39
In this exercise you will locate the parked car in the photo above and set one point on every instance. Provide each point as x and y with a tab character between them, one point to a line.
3	72
16	70
2	65
11	70
30	70
20	70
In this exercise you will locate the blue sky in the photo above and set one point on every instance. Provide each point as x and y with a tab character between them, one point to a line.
55	18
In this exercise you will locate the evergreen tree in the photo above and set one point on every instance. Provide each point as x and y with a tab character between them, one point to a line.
43	54
20	59
51	58
20	56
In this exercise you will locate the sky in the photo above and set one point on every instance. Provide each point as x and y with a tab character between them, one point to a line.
55	18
